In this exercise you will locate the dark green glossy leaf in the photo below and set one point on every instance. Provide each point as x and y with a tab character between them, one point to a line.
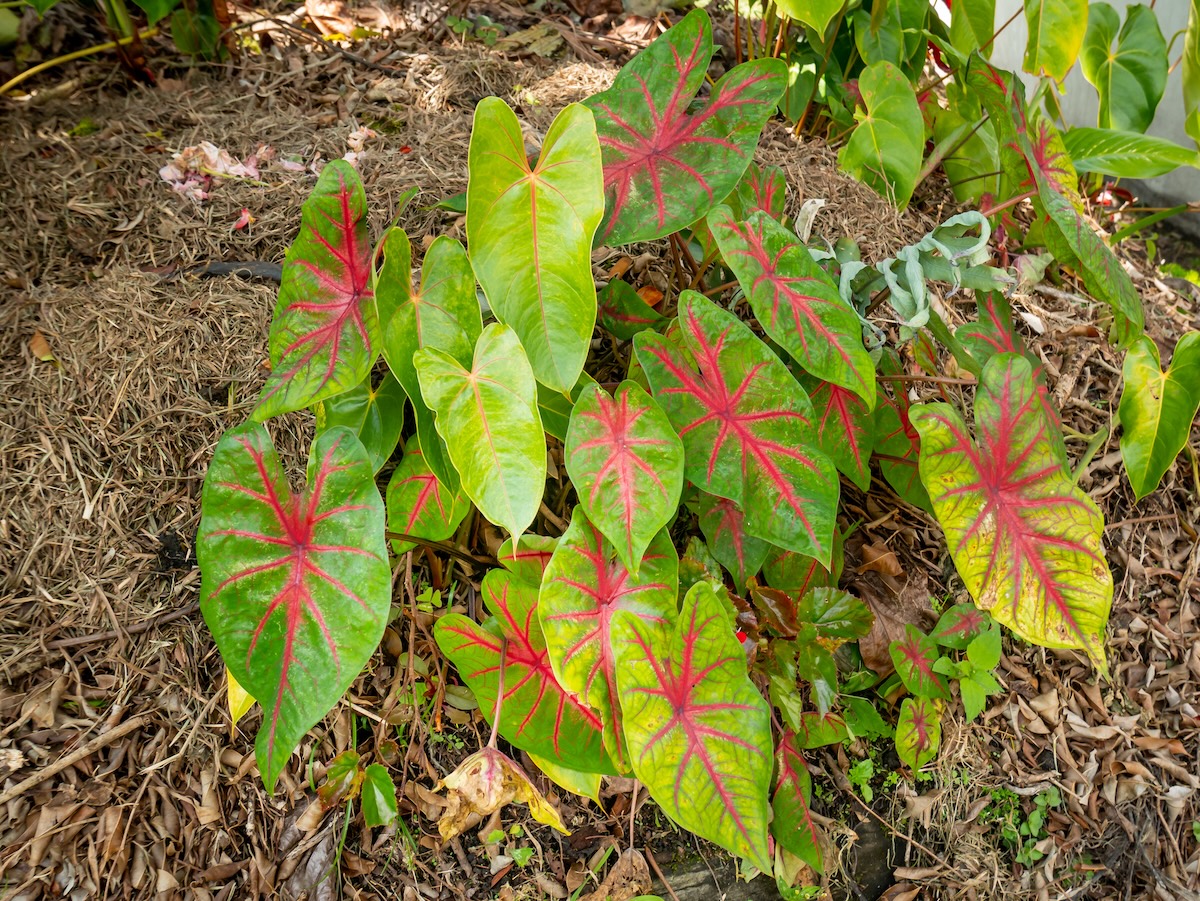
1131	76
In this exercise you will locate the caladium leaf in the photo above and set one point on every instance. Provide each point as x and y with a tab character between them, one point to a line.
796	573
698	731
797	303
886	147
295	587
488	417
1125	154
1056	30
959	625
698	565
1025	539
914	656
374	414
418	504
626	464
845	431
1131	77
555	407
665	165
816	730
529	561
530	231
482	784
792	824
582	591
537	714
745	425
724	528
919	731
623	312
836	615
1157	409
325	331
759	189
898	447
586	785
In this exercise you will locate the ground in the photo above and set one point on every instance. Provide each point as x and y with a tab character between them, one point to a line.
120	367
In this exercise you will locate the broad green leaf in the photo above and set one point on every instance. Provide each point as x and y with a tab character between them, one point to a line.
792	824
972	24
294	587
817	730
586	785
746	426
976	153
796	574
863	719
155	10
582	591
555	408
1125	154
626	464
697	729
418	504
537	715
886	147
919	731
845	431
374	414
488	417
984	650
1056	30
42	6
623	312
724	528
892	31
325	332
1190	68
836	615
665	163
1130	77
815	665
817	14
975	690
529	561
897	447
794	299
959	626
1026	541
378	794
1157	409
914	656
530	232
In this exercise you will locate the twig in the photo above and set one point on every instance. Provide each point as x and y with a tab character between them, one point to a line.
936	379
135	629
888	826
71	57
445	547
100	741
659	873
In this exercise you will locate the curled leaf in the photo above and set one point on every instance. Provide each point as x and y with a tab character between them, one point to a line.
485	782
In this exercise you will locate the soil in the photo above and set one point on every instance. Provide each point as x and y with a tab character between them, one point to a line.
120	367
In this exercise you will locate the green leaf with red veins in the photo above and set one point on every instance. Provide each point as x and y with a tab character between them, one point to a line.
724	529
897	447
918	731
623	312
537	714
529	561
792	825
697	730
664	163
488	417
759	189
795	300
746	427
626	464
1025	539
836	614
325	332
295	587
914	656
530	232
583	589
374	414
816	730
796	573
845	431
959	625
418	504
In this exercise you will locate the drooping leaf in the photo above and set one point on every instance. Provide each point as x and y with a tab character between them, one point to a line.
792	825
1125	154
1025	539
238	699
698	731
666	165
418	504
294	587
529	561
537	714
378	794
775	609
488	417
325	329
724	528
374	414
897	447
1130	77
1056	31
919	731
1157	409
582	591
959	625
886	147
586	785
623	312
745	425
914	656
481	785
817	14
530	231
845	431
626	464
836	615
794	299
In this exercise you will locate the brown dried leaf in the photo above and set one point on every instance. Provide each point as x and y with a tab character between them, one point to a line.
878	557
485	782
40	348
629	877
911	606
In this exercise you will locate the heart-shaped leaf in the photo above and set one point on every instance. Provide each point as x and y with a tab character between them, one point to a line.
886	147
897	447
537	713
845	431
325	329
1025	539
918	731
914	656
488	417
1157	409
1056	30
529	561
581	593
959	625
759	190
666	165
626	464
815	730
378	796
836	615
374	414
1125	154
797	303
792	824
1131	77
972	25
623	312
295	587
817	14
418	504
1191	73
555	407
530	231
698	731
724	529
745	425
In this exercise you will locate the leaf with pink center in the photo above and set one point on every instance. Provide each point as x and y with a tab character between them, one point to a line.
898	448
665	163
626	464
796	301
759	189
816	730
792	824
845	431
529	561
959	626
697	729
418	504
746	426
537	714
1025	539
325	331
583	589
797	574
724	529
919	731
914	656
295	587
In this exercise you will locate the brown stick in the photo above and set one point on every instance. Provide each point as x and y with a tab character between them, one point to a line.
659	873
134	629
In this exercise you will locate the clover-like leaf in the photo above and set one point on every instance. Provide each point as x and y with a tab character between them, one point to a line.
914	656
792	825
295	587
418	504
724	528
1130	77
919	731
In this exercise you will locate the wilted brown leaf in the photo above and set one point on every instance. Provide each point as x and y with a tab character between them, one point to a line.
628	878
881	559
40	348
485	782
892	614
